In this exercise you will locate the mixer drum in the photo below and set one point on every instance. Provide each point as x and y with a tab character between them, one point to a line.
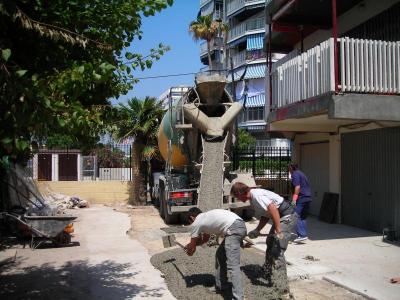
179	157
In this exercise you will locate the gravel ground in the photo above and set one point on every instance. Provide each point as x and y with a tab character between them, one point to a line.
191	277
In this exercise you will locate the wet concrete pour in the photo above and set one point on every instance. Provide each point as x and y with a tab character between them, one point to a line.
191	277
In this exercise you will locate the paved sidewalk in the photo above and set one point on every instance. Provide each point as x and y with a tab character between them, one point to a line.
354	258
106	265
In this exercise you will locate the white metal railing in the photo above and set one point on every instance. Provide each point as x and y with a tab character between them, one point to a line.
239	58
365	66
246	27
369	66
235	5
305	76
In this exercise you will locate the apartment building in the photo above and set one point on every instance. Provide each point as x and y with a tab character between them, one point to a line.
336	95
245	56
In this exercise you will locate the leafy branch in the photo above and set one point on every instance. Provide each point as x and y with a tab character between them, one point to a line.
55	32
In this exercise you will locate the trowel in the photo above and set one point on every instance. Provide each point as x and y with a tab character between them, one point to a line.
170	241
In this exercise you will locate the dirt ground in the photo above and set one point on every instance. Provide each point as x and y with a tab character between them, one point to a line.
146	228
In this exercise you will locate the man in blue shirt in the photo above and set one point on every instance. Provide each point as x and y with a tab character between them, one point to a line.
302	198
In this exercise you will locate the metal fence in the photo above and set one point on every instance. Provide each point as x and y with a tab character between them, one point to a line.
269	166
114	162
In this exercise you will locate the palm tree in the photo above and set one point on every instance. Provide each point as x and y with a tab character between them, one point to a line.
139	119
205	28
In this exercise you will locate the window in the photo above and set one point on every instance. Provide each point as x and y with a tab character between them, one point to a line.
255	113
252	114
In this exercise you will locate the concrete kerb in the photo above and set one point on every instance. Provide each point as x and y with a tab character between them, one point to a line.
346	287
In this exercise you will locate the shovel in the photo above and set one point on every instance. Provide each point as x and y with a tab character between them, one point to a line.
170	241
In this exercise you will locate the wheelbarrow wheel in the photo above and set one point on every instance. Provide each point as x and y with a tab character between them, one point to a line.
63	239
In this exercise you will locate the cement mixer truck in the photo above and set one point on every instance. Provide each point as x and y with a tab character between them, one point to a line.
195	138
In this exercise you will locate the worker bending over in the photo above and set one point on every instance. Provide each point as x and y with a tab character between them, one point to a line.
268	205
222	223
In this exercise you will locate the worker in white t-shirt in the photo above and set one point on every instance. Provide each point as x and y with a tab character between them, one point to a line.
269	205
221	223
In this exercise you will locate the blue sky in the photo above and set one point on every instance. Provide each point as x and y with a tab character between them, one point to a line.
169	27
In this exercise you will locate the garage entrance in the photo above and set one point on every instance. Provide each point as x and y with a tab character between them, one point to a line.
370	180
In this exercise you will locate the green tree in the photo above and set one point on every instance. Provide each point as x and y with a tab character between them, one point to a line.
245	139
60	62
109	157
205	28
140	119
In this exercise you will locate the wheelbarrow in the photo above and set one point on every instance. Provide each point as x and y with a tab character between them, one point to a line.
45	228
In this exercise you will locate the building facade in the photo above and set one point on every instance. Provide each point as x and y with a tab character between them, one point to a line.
241	54
336	95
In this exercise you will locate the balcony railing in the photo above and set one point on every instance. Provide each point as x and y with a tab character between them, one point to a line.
235	5
216	43
239	59
245	56
246	27
365	66
369	66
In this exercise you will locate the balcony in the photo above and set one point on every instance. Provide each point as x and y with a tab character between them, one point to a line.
216	44
204	2
250	26
235	5
247	56
218	15
364	66
239	59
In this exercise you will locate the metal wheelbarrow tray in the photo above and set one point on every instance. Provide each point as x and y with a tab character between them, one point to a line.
49	226
46	228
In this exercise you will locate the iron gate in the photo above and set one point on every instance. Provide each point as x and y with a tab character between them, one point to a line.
268	166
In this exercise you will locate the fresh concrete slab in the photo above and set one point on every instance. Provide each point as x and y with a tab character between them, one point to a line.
353	258
106	265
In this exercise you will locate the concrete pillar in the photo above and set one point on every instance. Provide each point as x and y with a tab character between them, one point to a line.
54	167
79	166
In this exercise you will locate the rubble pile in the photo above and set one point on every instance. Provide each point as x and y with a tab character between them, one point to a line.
63	202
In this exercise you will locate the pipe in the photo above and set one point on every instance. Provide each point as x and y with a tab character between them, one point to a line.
200	120
211	126
230	114
283	10
270	65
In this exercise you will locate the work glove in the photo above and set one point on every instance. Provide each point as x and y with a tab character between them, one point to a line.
294	199
254	234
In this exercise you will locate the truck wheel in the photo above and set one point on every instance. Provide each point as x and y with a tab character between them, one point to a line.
161	196
161	207
169	217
